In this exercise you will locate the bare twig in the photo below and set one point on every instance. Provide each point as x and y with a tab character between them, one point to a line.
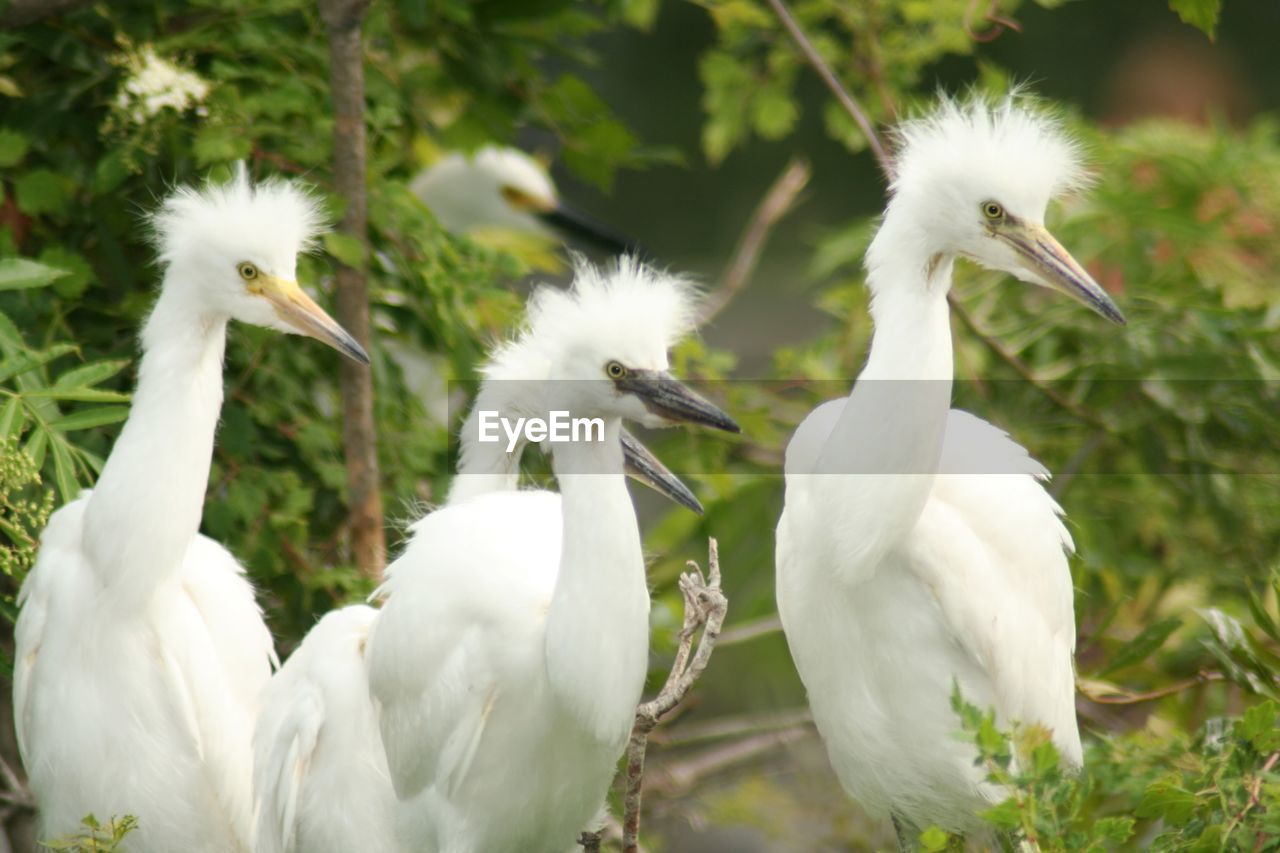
1255	788
679	777
21	13
736	725
343	20
746	631
851	106
777	203
704	607
1203	677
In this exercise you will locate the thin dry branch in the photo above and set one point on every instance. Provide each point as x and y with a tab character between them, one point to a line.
745	632
343	19
1204	677
850	104
777	203
704	608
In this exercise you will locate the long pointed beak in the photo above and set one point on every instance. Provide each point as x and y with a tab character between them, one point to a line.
301	313
1050	265
575	224
643	466
662	395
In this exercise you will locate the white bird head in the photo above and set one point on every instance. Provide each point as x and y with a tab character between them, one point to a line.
232	251
600	348
975	179
504	188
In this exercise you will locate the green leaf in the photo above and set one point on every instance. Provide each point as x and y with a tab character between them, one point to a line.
90	374
79	395
42	191
346	249
13	147
934	840
78	271
26	360
64	470
36	444
10	423
1115	830
1259	727
1168	800
1140	647
22	274
1201	14
110	172
88	418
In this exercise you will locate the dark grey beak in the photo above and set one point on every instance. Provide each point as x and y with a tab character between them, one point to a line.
668	399
579	227
643	466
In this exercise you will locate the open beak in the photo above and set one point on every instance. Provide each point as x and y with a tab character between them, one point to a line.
643	466
1050	265
301	313
578	226
663	396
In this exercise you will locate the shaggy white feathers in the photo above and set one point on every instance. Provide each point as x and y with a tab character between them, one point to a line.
629	309
272	218
1012	144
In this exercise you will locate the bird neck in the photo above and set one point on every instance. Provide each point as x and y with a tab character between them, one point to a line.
146	507
597	635
909	284
890	431
487	466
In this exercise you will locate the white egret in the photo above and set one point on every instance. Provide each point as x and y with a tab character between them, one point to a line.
496	687
918	548
140	651
505	188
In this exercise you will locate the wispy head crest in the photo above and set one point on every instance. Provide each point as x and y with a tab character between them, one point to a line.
273	214
1013	137
628	306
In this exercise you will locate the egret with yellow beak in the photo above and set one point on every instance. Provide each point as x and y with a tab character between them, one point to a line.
140	650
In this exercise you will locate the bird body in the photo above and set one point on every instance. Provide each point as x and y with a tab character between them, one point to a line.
507	659
140	650
918	549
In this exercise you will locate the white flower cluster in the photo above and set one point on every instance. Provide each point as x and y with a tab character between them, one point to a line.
155	84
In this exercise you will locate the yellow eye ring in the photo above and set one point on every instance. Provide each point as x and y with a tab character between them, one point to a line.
247	271
615	370
992	210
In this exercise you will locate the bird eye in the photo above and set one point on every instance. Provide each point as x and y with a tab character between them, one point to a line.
992	210
248	271
615	370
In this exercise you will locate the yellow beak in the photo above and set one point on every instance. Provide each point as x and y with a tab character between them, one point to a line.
301	312
1049	264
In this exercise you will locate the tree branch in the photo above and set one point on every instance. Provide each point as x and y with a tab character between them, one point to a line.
850	104
704	607
21	13
777	203
744	632
342	20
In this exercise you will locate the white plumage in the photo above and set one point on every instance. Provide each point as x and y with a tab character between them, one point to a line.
140	651
918	548
504	667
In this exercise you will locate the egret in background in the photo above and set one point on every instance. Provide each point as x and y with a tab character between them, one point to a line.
485	705
506	189
140	651
918	548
